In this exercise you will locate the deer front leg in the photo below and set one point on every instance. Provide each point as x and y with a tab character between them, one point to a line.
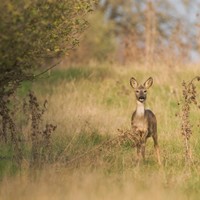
140	153
143	151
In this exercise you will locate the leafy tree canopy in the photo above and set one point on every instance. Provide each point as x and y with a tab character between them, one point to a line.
33	31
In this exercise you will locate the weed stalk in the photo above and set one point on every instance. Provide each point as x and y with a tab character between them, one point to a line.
189	97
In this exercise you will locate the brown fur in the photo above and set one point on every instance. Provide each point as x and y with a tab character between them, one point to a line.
143	121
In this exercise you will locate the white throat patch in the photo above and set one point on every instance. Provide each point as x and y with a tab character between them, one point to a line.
140	109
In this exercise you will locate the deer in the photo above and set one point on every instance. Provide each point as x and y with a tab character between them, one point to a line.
143	121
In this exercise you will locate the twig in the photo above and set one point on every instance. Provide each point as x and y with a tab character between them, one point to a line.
125	135
47	69
92	150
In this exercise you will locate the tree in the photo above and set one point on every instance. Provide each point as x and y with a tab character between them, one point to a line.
152	29
33	31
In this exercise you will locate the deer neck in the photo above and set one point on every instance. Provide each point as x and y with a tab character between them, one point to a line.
140	109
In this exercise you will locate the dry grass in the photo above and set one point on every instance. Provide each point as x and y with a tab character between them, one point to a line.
92	185
98	105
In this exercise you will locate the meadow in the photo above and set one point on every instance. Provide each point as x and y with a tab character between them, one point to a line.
88	104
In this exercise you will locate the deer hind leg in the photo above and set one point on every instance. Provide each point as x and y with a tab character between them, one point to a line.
156	147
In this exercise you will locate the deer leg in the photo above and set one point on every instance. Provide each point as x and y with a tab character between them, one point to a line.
156	147
138	154
143	145
143	151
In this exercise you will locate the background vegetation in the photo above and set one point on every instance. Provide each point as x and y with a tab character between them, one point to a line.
59	130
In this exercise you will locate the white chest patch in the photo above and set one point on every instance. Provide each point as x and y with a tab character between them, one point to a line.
140	109
139	122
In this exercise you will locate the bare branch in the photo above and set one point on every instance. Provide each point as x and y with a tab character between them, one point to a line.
47	69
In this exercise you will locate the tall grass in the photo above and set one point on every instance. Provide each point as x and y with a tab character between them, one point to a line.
88	105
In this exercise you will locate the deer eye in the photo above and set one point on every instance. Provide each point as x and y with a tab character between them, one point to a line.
145	91
137	91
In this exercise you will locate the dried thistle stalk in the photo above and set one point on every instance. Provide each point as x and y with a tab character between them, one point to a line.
40	140
189	97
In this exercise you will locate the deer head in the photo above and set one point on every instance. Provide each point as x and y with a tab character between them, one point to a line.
141	89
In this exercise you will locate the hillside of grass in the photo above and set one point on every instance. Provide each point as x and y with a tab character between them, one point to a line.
88	104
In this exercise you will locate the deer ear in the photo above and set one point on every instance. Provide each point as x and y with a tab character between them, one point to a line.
148	83
133	83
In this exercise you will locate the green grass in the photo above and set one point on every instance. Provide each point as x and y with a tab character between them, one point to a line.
78	73
88	105
7	164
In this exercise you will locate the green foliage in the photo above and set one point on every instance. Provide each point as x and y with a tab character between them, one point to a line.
74	74
7	166
70	74
33	32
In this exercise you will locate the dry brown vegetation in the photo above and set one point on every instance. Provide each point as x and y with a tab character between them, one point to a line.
89	105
